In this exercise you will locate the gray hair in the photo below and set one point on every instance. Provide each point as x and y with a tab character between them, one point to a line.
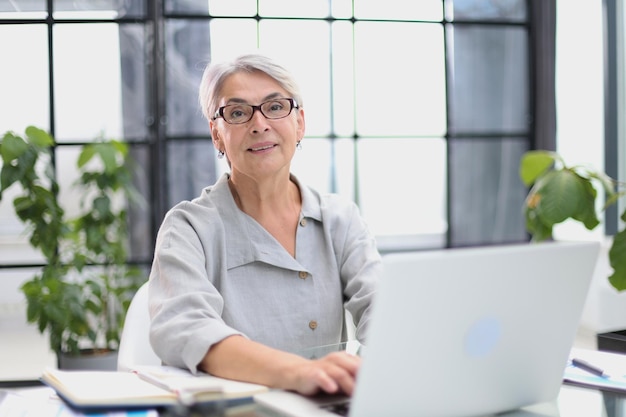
216	74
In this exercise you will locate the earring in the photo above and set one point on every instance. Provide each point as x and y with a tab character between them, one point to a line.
220	154
299	145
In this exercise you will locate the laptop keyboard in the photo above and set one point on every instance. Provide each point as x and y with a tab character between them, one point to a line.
341	408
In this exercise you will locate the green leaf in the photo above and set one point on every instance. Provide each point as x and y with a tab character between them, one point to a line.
85	155
617	259
539	230
587	205
12	147
39	137
534	164
563	194
108	154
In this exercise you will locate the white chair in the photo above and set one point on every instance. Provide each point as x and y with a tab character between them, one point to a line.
135	346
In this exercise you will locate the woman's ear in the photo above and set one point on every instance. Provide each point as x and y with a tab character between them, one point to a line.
215	135
301	124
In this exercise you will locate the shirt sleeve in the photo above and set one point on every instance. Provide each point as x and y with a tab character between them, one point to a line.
359	261
185	305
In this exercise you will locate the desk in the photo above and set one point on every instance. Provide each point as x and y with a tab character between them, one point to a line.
572	401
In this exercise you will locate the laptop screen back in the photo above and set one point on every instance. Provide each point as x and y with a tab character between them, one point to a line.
463	332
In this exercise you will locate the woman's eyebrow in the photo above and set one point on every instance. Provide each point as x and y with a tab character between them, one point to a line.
237	100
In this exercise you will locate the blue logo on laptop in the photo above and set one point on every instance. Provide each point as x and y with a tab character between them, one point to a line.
482	337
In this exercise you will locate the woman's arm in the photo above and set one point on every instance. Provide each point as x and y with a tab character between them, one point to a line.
242	359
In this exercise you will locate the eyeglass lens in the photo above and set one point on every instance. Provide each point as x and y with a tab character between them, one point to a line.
272	109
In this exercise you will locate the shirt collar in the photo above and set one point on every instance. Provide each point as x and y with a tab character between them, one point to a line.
244	241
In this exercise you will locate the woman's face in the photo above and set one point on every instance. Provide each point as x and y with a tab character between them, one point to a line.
260	147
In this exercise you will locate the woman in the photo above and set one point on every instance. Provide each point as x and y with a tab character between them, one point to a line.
259	265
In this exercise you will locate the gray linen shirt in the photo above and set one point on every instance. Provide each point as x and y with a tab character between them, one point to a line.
217	272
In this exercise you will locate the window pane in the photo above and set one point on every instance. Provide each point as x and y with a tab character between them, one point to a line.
341	9
67	174
191	167
514	10
431	10
188	6
308	59
140	217
293	8
489	90
403	185
326	165
87	81
33	9
24	78
15	248
24	352
313	164
101	9
224	45
486	194
400	93
233	8
343	105
344	169
134	84
187	51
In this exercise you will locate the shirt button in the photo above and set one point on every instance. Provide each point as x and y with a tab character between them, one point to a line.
313	325
303	222
303	274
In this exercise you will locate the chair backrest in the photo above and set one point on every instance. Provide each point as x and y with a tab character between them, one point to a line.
135	346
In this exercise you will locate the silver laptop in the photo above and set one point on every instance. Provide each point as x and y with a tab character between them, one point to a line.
466	332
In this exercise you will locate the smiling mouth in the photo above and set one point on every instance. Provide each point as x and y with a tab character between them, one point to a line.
261	148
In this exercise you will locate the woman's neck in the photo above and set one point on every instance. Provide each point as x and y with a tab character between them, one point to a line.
258	197
276	207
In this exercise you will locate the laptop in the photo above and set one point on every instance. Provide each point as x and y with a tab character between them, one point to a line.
465	332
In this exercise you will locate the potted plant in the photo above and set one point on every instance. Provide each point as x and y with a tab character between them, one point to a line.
81	294
559	192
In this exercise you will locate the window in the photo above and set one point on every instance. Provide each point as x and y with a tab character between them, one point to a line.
419	111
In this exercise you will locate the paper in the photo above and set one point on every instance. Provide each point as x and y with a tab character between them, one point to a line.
182	381
47	404
613	365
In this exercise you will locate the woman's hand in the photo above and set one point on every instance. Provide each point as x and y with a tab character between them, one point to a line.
334	373
239	358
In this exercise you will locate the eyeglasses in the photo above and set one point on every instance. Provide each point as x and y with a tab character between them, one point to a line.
236	114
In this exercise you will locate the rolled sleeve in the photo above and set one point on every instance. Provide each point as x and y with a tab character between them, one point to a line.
185	305
358	258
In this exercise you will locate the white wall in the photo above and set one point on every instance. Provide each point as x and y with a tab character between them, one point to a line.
579	91
580	136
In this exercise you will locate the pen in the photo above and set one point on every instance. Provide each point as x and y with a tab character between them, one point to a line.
586	366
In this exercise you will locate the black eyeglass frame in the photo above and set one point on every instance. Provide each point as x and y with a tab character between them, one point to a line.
219	113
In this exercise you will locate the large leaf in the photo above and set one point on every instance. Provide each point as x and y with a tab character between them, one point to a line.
617	259
563	194
39	137
534	164
12	147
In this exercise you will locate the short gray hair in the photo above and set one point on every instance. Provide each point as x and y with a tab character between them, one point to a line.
216	74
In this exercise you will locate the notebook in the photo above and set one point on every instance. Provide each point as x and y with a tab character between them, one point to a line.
466	332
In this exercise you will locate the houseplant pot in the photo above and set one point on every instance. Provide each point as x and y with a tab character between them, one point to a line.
80	295
559	192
